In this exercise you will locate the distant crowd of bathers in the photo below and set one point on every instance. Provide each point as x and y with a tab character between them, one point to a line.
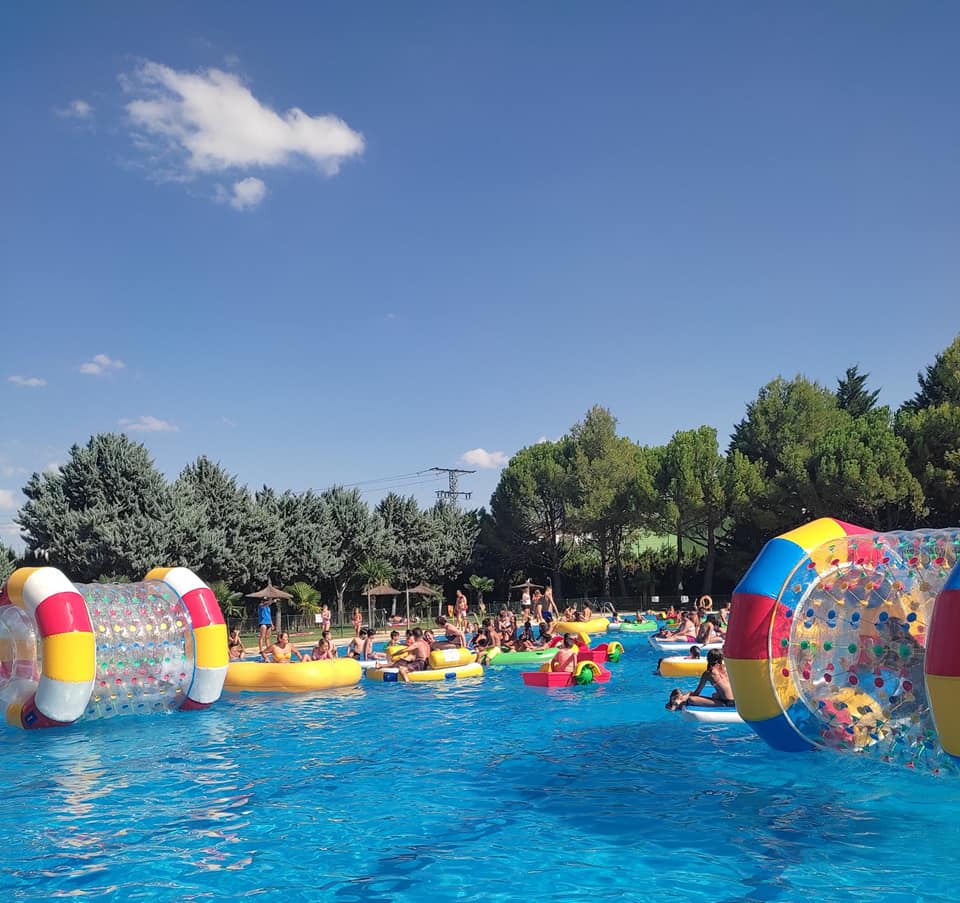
534	628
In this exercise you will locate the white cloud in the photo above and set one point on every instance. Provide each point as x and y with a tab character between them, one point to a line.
209	121
30	382
247	193
101	364
8	501
76	109
148	424
52	467
485	460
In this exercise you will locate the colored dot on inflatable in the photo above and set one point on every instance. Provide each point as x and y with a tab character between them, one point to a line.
905	651
804	644
785	672
784	643
831	615
907	686
827	646
852	680
852	647
828	677
878	649
855	617
810	612
912	617
883	616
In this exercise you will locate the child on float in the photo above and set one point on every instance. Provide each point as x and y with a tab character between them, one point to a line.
566	658
283	651
715	675
235	646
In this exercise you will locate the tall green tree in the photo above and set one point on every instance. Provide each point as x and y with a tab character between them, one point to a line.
940	383
358	534
530	507
408	538
614	490
702	492
852	394
212	524
108	510
932	437
929	424
778	434
8	563
859	472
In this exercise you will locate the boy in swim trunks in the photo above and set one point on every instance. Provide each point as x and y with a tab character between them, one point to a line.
416	656
716	675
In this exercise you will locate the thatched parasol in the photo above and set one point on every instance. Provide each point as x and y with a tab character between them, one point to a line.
421	589
384	589
273	594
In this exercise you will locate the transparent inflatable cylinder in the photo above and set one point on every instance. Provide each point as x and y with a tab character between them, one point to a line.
99	650
848	643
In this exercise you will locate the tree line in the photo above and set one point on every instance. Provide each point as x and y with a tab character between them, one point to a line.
590	511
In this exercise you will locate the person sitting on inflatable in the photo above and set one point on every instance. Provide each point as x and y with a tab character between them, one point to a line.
716	675
709	631
686	631
282	650
416	656
323	651
566	658
235	646
454	635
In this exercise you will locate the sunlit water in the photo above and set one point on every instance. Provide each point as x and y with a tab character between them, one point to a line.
485	790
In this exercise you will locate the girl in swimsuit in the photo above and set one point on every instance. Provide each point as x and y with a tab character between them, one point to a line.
235	646
283	651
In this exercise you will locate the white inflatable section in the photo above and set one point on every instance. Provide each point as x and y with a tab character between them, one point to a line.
18	656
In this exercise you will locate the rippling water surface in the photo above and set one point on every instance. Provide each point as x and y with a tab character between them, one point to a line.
485	790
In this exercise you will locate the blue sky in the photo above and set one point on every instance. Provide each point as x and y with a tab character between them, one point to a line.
485	219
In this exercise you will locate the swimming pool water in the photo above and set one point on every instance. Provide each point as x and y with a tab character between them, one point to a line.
481	790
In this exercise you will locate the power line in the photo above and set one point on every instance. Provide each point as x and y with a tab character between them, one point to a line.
399	476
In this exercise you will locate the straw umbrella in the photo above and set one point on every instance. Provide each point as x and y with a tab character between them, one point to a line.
274	595
421	589
383	590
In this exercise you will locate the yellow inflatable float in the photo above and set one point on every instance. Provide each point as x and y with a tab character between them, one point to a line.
594	625
681	666
443	664
292	677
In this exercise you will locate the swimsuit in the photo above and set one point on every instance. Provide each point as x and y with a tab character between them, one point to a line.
266	619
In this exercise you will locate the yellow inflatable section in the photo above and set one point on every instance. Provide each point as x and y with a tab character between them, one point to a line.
292	677
455	672
594	625
678	666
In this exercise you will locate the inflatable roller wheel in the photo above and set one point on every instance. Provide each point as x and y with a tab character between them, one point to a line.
614	651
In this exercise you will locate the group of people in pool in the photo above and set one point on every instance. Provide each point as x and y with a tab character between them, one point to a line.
503	633
701	627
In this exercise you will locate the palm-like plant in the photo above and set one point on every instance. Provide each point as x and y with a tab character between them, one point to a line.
375	572
304	597
481	585
231	603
